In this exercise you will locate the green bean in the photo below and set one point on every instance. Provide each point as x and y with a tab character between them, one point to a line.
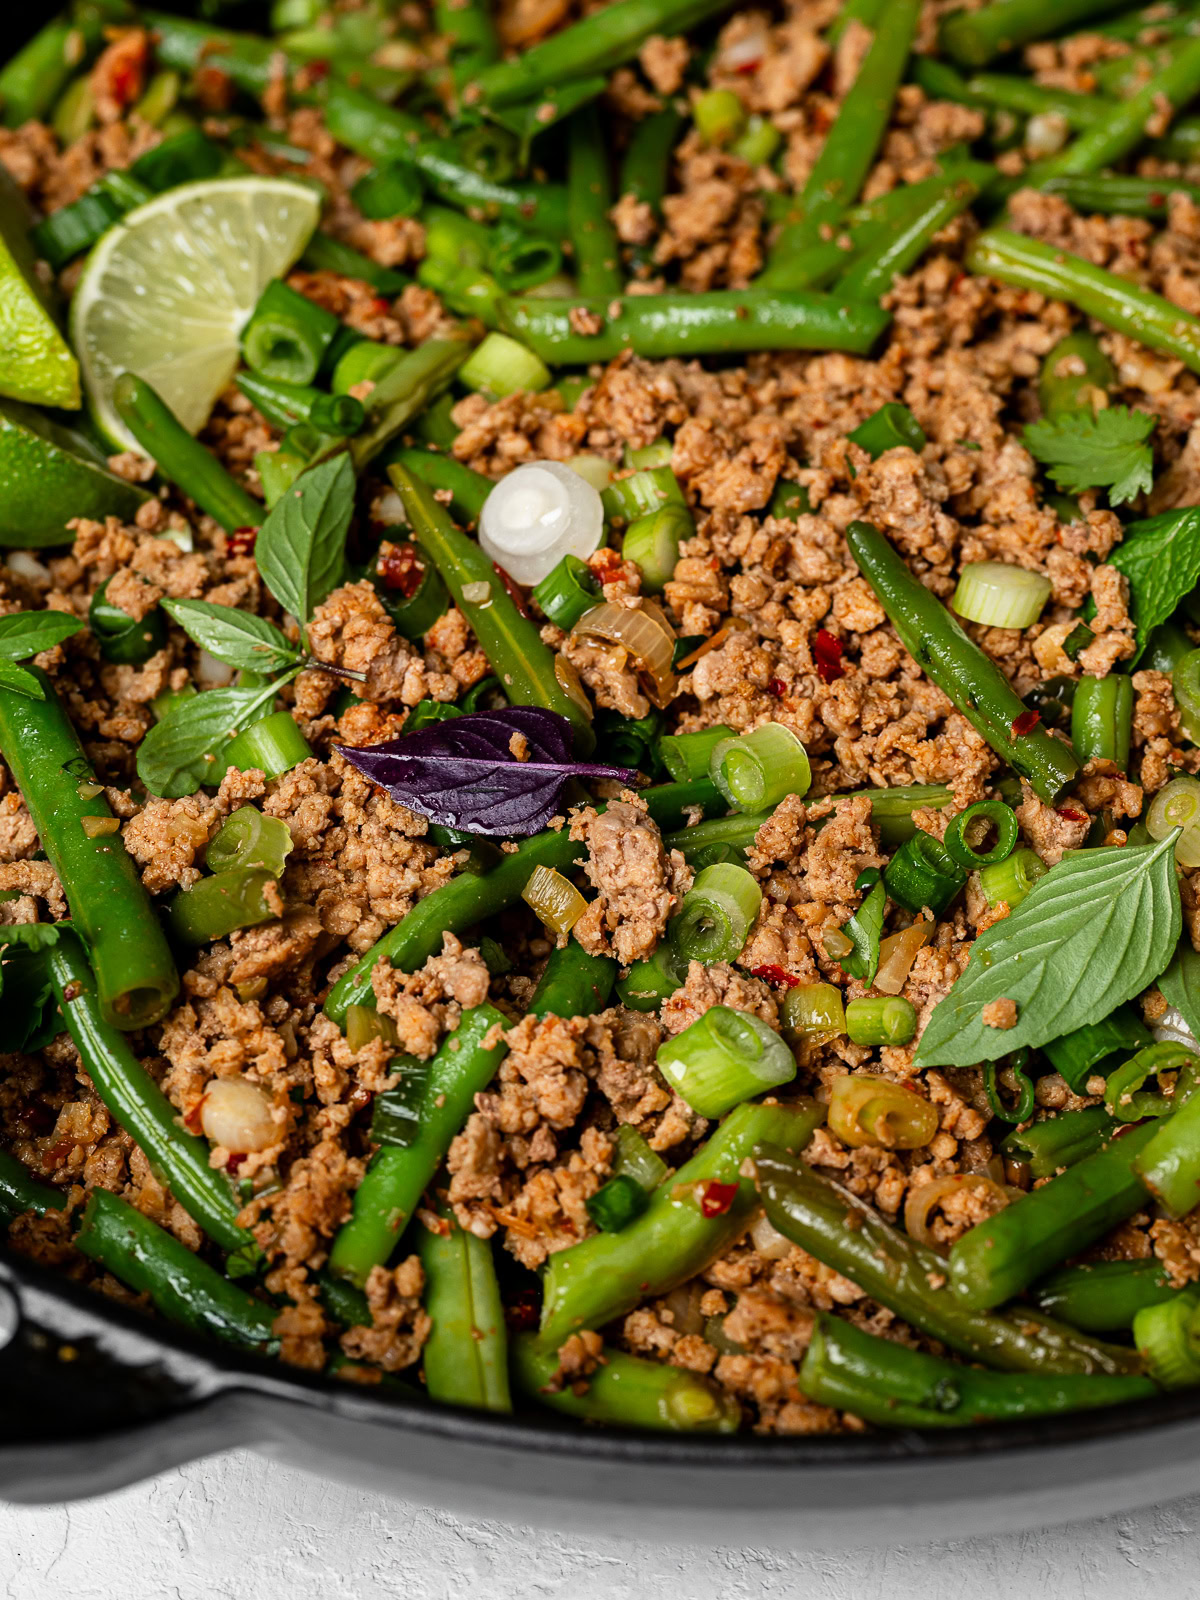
286	404
602	40
608	1274
589	201
625	1390
468	488
1029	264
383	133
898	251
573	984
895	1387
32	80
398	1175
850	147
182	1287
957	665
646	169
719	322
1114	136
20	1191
1169	1166
864	11
182	460
1102	719
843	1233
470	34
1181	142
1003	1255
1116	193
131	1095
401	394
469	291
135	974
997	91
1063	386
974	38
468	899
323	253
1060	1141
1103	1296
465	1356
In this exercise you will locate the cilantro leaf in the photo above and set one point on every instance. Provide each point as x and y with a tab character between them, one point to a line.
1100	450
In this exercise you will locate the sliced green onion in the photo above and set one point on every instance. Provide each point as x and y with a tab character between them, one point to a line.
1076	1055
999	595
652	543
1009	881
725	1057
273	746
1177	805
719	116
868	1110
1165	1339
287	334
686	756
758	142
491	151
923	873
1185	683
286	404
874	1021
160	98
69	231
182	158
618	1203
651	981
124	639
519	261
566	592
974	822
627	742
1102	719
814	1011
502	366
555	900
716	916
655	454
1127	1101
892	425
1026	1102
247	839
595	470
387	192
485	689
364	362
216	906
635	1159
789	500
627	499
363	1025
760	769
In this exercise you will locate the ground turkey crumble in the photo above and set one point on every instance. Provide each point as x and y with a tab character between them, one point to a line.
754	592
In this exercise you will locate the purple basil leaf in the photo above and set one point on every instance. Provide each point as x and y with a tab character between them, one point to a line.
462	773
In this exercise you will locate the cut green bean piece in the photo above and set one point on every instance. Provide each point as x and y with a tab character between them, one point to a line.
182	460
625	1391
1104	1296
20	1191
465	1356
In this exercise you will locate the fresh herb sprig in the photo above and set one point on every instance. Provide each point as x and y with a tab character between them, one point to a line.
1160	556
1097	450
27	633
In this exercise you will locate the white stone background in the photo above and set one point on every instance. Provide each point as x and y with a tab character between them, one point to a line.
242	1528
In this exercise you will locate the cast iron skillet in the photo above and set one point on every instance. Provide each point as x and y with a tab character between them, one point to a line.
94	1395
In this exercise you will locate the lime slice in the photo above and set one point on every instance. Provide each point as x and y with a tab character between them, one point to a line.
166	292
35	363
49	474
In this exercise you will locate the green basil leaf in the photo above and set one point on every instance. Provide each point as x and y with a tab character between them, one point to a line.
864	930
1180	983
1093	932
25	633
184	750
14	677
238	638
301	547
28	1005
1161	559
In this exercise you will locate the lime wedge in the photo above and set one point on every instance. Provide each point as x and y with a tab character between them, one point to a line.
35	363
166	292
49	474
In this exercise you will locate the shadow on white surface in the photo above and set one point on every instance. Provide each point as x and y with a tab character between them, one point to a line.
241	1526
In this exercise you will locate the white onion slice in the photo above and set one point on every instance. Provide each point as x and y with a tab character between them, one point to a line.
537	515
1172	1029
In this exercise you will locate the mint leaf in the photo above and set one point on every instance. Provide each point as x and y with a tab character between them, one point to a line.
1093	932
14	677
1180	983
1097	450
1161	558
25	633
184	750
238	638
301	547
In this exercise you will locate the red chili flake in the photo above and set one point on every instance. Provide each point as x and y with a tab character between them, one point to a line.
1025	723
828	653
380	306
775	976
605	565
234	1162
521	1311
777	687
747	67
400	568
716	1198
514	593
318	69
241	542
1070	814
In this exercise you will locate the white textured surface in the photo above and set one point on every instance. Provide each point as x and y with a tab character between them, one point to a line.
239	1527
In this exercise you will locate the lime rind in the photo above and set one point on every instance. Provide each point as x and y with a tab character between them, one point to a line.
166	292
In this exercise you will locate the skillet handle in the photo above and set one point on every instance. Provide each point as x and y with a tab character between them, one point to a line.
91	1398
